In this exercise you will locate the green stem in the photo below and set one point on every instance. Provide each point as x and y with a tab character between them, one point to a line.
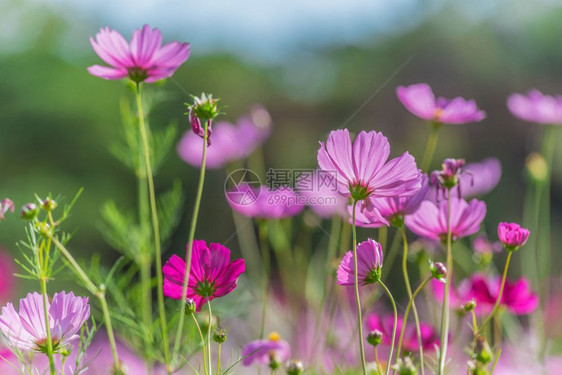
430	147
264	244
410	304
219	359
202	343
155	228
445	310
189	251
498	300
383	236
209	337
47	326
388	365
377	362
413	303
356	285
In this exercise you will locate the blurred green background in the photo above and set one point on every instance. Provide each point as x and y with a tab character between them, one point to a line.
316	66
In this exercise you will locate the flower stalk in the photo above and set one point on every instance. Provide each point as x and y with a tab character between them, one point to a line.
445	311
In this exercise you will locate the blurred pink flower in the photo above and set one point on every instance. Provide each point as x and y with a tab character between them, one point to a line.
263	351
369	264
323	198
361	167
7	279
25	329
430	338
481	244
512	235
230	142
263	203
420	101
6	205
536	107
430	220
516	298
212	274
143	59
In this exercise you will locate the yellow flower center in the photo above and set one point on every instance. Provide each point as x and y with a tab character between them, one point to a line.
274	336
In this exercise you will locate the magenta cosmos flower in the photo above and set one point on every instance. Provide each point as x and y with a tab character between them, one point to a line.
144	59
369	263
230	142
420	100
512	235
517	296
361	168
263	203
212	274
536	107
25	329
265	351
429	337
430	220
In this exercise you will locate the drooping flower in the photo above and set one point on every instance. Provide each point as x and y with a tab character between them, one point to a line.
201	114
26	329
6	205
420	101
430	220
385	324
230	142
361	168
449	175
212	274
264	351
517	296
512	235
263	203
536	107
144	59
369	264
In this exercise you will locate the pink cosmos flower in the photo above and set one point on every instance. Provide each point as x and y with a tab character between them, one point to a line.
263	351
212	274
512	235
369	263
516	298
430	220
144	59
536	107
25	329
6	205
263	203
323	197
420	101
230	142
361	168
430	338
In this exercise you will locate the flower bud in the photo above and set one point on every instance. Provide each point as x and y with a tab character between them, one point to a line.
482	350
512	235
274	361
295	367
219	336
374	337
29	211
405	367
190	306
438	270
468	306
45	229
49	204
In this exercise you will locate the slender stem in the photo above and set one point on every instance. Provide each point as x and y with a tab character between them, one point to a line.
383	236
203	345
390	255
388	365
145	256
412	302
219	359
155	228
377	362
99	292
357	298
431	145
189	251
498	300
264	245
445	310
209	337
43	282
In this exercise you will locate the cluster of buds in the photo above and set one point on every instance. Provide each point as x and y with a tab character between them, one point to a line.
6	205
449	175
30	210
202	113
438	271
512	235
483	356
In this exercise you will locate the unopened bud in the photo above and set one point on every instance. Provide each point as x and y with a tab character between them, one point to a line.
374	337
274	361
190	306
483	352
469	306
49	204
45	229
438	270
405	367
295	367
29	211
219	336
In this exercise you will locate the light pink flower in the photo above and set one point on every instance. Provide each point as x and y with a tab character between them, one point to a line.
536	107
323	197
6	205
263	351
420	100
369	264
26	330
212	274
430	220
144	59
512	235
361	168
